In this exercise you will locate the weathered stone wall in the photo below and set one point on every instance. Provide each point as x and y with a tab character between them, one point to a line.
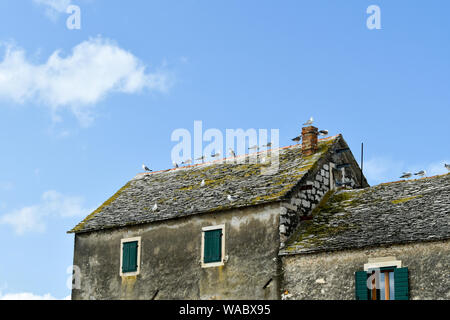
302	201
171	254
315	185
331	275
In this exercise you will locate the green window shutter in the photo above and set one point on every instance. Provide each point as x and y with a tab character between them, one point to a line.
401	284
125	257
129	256
212	246
361	290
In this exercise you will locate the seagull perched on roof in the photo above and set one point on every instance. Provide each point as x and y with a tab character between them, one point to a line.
175	164
155	207
268	145
255	147
187	161
420	173
215	154
297	139
447	166
230	198
202	184
231	152
323	132
406	175
146	168
309	122
201	158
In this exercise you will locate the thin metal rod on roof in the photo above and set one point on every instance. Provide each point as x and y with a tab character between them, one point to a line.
362	164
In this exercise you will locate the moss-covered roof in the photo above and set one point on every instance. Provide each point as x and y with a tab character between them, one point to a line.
389	213
178	192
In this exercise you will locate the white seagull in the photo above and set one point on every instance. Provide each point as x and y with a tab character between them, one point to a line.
323	132
309	122
155	207
406	175
175	164
420	173
201	158
188	161
202	184
232	153
215	155
230	198
268	145
146	168
255	147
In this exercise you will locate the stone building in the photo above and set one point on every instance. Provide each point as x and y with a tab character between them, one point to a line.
395	233
298	222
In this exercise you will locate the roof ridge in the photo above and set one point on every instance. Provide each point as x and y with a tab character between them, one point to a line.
182	194
224	159
417	179
346	219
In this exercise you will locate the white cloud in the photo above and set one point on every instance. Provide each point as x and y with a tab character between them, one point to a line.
6	186
58	5
94	69
24	220
26	296
53	204
53	7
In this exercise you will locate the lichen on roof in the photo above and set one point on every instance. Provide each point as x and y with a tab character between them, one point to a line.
178	192
390	213
80	226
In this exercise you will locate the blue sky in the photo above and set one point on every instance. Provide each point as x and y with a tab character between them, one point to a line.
81	110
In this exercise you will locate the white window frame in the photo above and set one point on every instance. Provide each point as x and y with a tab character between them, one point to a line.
224	258
382	262
133	273
376	263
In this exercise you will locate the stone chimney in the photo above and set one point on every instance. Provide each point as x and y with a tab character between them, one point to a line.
309	140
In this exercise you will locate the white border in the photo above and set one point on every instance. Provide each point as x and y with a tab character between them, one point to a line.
213	264
134	273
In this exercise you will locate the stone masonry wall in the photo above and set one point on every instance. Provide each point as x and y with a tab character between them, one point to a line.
331	275
315	185
170	265
303	201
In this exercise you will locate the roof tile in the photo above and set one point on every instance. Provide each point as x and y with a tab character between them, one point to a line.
389	213
178	192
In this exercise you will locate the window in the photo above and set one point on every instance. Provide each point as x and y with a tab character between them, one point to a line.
382	282
382	279
213	246
130	256
387	290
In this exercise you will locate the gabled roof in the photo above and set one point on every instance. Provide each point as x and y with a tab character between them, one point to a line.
178	192
391	213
